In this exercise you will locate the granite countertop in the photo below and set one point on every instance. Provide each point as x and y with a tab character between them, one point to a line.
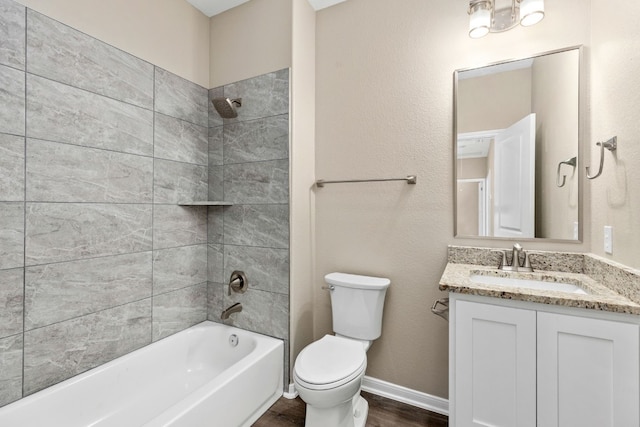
601	296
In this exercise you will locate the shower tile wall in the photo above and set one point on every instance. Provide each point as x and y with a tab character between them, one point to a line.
97	147
249	167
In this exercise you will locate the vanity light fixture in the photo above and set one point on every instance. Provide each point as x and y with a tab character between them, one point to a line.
501	15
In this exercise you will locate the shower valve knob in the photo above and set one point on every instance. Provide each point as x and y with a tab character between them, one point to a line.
238	282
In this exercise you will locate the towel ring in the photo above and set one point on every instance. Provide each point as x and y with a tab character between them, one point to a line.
571	162
610	145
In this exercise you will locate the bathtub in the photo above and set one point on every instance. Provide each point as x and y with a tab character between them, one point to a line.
194	378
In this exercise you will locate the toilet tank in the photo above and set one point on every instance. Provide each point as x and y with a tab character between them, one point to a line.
356	304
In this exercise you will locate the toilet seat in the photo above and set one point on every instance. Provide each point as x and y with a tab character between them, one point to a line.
329	363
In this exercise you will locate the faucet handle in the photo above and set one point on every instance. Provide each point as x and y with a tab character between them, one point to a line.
503	260
527	263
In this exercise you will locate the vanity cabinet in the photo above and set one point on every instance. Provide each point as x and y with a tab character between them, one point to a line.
517	365
587	372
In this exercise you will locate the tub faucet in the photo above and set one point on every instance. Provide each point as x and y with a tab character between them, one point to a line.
515	260
235	308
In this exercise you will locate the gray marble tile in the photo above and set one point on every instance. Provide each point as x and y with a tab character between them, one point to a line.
66	55
214	117
216	182
180	140
180	98
216	146
69	173
59	232
177	268
11	301
262	96
257	225
10	369
12	34
263	312
58	112
179	226
257	140
267	269
12	235
259	182
215	224
215	264
12	105
58	292
62	350
179	310
215	301
11	168
175	182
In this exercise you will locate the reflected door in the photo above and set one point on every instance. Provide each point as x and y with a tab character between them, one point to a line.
514	168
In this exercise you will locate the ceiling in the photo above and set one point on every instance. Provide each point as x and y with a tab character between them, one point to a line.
214	7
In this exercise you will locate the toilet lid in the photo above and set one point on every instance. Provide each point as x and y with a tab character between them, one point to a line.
330	360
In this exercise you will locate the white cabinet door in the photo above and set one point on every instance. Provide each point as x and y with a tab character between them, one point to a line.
495	378
587	372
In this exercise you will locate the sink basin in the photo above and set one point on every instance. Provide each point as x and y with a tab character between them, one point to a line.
527	284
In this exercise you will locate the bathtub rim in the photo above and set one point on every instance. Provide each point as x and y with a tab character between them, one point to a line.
264	343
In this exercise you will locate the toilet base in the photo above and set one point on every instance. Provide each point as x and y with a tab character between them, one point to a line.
352	413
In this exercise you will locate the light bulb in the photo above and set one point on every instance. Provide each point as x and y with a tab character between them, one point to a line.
531	12
479	20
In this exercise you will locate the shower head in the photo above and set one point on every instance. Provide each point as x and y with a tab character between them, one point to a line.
227	107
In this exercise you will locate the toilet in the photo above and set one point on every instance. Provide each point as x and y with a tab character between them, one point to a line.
328	373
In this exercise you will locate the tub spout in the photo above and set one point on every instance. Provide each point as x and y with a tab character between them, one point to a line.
235	308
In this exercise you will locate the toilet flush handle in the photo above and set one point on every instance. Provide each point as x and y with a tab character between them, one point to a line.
329	288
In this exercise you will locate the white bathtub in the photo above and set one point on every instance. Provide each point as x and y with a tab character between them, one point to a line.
190	379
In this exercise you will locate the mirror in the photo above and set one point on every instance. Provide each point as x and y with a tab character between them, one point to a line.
516	132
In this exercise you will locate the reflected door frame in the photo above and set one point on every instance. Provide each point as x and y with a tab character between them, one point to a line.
483	203
487	203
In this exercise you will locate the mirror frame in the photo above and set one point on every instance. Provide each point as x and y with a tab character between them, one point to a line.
582	96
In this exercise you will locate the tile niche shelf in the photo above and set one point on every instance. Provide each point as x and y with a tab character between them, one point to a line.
205	203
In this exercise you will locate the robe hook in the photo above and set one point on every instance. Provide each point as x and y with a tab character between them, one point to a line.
610	145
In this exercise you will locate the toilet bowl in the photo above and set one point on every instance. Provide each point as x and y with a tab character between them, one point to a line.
328	373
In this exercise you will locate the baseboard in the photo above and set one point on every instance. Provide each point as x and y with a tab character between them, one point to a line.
394	392
406	395
292	393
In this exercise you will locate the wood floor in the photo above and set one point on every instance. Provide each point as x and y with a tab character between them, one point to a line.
382	413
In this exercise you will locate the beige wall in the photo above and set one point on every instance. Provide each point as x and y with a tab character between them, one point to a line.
249	40
493	102
171	34
302	176
554	100
615	95
384	109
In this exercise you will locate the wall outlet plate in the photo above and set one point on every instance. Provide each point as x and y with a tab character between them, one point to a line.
608	239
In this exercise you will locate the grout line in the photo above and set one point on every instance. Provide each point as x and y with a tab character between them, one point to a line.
110	150
151	251
24	210
40	76
152	109
153	195
91	313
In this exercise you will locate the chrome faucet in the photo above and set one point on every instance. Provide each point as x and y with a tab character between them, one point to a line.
235	308
515	260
